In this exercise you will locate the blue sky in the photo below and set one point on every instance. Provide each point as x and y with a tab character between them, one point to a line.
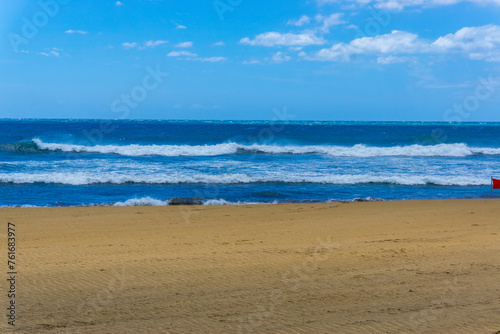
431	60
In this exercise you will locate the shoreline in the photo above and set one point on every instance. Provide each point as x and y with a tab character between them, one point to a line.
221	202
392	267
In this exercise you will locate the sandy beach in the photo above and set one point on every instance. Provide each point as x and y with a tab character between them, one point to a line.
376	267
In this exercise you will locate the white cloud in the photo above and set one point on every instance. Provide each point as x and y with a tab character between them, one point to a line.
250	62
145	45
118	3
221	43
344	4
181	53
152	44
395	42
184	45
50	53
180	26
477	42
128	45
480	43
211	59
70	31
280	57
304	19
391	60
390	5
275	38
324	2
398	5
338	52
470	39
194	57
488	56
330	21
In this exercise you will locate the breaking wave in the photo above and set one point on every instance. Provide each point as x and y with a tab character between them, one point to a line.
149	201
360	150
81	179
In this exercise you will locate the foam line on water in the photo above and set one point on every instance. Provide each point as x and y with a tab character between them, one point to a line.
360	150
80	179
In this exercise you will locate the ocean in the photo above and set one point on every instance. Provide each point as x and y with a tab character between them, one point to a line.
148	162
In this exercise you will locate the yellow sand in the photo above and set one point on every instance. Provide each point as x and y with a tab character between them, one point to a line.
390	267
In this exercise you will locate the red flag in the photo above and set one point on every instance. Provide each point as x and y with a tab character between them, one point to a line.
495	184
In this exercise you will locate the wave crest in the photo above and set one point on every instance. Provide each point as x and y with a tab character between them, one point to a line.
359	150
80	179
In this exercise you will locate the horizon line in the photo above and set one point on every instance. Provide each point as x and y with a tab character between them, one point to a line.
233	120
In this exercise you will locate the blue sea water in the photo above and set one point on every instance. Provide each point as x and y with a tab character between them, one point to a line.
92	162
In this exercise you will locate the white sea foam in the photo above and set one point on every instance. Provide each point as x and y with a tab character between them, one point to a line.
77	179
441	150
148	201
143	201
224	202
143	150
218	202
367	199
